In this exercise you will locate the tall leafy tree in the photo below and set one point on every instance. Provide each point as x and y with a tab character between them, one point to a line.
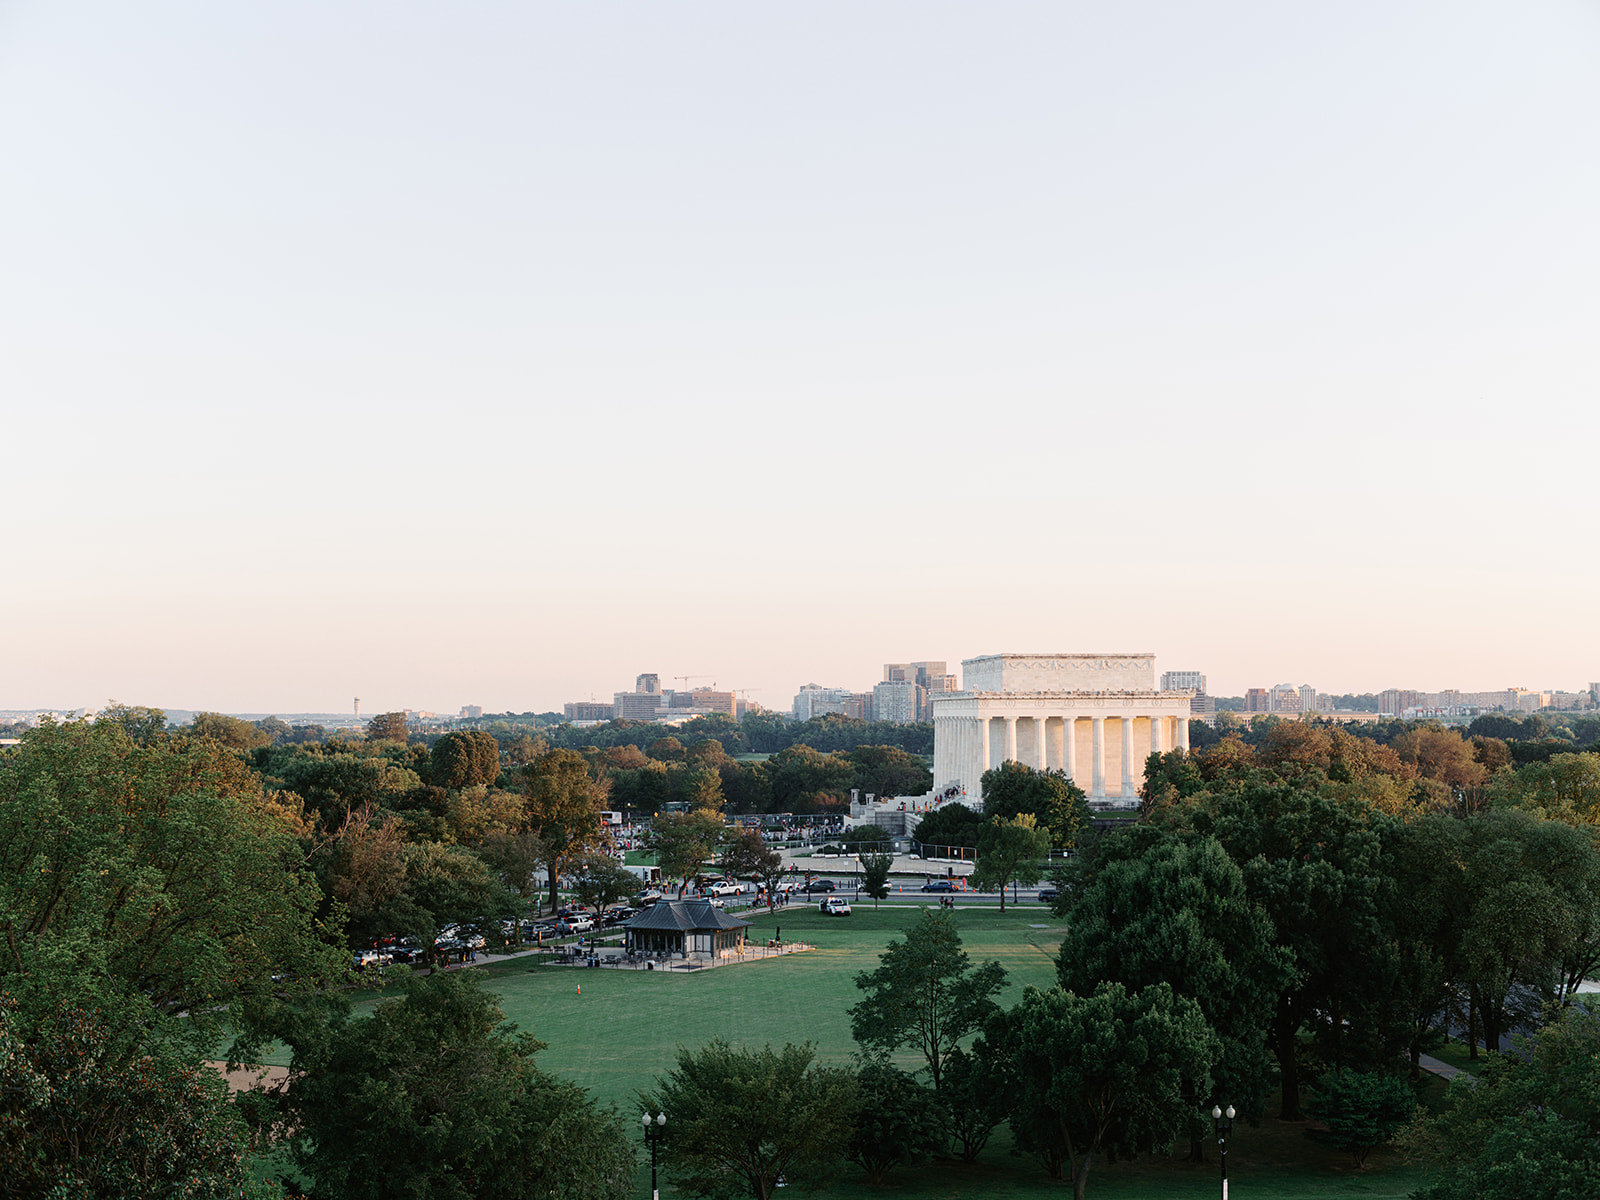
465	758
1059	806
434	1095
1011	851
1149	907
875	875
1314	865
1110	1070
740	1120
899	1121
926	993
81	1117
564	804
147	880
1527	1126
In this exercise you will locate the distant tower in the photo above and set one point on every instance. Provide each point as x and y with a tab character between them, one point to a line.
358	708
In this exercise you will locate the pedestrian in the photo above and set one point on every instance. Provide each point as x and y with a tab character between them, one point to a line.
777	934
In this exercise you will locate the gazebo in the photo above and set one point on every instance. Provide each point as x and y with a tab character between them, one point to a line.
684	927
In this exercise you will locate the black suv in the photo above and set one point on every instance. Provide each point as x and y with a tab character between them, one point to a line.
820	885
938	885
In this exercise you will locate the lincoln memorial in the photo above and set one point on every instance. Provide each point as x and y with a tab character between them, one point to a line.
1093	716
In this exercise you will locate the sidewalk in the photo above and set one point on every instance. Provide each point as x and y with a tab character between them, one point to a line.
1442	1069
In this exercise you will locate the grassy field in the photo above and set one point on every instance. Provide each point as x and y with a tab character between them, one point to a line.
625	1027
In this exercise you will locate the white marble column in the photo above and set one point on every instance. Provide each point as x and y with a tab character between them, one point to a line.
1069	747
1011	739
1127	757
1183	732
1042	745
983	754
1158	734
1098	791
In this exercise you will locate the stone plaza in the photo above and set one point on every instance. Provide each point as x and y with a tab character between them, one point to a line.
1093	716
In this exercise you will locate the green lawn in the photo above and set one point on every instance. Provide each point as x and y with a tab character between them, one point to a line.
625	1027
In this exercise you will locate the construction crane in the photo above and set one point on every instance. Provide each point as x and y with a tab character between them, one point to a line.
686	678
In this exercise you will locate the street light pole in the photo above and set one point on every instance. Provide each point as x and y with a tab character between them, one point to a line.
654	1131
1222	1124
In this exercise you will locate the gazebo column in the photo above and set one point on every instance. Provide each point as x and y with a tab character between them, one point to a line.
1011	739
1127	758
1098	790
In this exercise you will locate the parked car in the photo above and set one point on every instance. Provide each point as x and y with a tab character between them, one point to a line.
819	885
727	887
938	885
1049	895
835	906
580	923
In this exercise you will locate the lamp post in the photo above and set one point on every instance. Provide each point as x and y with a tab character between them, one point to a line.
654	1130
1222	1123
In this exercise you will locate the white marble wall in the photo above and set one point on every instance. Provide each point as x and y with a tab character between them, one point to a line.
1059	673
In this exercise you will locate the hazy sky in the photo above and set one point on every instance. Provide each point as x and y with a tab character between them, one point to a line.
493	353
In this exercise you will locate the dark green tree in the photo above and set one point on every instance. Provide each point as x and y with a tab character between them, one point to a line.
1527	1126
949	825
388	727
465	758
1060	806
1362	1110
1148	907
875	876
926	993
1107	1071
1011	851
739	1120
899	1122
976	1099
80	1116
435	1096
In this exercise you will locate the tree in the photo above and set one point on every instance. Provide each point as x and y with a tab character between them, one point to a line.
144	726
926	993
144	881
975	1100
875	876
564	810
435	1096
1059	806
684	842
898	1120
1440	754
602	881
1315	866
889	771
1525	1126
743	1119
80	1117
1362	1111
1148	907
949	825
465	758
230	731
1010	852
745	854
388	727
1103	1071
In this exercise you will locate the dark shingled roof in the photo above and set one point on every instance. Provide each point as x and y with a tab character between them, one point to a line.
683	916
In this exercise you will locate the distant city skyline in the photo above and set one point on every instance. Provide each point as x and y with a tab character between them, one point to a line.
494	354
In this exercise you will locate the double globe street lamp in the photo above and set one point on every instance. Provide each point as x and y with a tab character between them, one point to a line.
655	1129
1222	1123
